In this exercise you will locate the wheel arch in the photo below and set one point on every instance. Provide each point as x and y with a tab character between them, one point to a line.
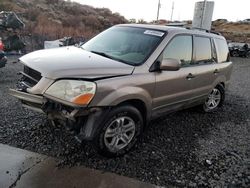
140	106
134	96
221	80
222	84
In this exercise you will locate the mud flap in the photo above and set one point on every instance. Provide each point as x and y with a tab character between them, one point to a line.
92	124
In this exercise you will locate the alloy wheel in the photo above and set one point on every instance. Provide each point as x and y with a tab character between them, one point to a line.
119	133
213	99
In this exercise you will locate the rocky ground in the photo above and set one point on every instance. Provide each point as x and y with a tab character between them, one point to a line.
187	148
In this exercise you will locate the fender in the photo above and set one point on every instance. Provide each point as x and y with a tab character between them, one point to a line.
124	94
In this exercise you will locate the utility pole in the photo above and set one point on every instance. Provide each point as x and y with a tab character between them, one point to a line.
172	11
158	10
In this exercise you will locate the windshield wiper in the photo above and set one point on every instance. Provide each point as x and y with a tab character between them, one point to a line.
110	57
102	54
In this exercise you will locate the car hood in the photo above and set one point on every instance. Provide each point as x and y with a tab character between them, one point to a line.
74	62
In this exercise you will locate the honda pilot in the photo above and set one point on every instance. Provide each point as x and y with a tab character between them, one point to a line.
108	89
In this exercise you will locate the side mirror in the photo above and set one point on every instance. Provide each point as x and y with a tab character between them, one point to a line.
170	64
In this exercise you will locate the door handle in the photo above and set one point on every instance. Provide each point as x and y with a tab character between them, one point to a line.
190	76
216	71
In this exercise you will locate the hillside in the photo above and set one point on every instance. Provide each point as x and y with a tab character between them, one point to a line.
53	19
233	31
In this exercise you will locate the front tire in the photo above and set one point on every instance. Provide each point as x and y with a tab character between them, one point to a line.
214	99
119	132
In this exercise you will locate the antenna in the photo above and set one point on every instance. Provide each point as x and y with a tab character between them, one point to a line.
158	10
172	12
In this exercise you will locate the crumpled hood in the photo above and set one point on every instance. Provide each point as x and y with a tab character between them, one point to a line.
73	62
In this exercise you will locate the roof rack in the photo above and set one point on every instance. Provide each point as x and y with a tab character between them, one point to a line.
206	30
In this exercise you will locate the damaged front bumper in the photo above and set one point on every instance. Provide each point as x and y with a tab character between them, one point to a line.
33	102
84	122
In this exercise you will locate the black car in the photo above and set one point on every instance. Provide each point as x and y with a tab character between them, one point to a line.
3	59
236	51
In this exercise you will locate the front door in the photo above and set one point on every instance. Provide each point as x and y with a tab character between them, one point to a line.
174	88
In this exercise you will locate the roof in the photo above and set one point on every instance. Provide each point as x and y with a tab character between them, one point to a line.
178	30
148	26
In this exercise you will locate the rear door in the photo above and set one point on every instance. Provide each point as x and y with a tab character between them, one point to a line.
224	65
205	69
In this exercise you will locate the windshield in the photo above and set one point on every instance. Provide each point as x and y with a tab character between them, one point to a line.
125	44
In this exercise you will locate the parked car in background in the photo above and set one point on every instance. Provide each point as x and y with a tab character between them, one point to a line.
108	89
1	45
246	21
240	51
3	58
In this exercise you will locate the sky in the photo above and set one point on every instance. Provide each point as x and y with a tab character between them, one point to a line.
183	9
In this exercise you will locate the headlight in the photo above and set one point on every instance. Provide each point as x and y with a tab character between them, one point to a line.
74	91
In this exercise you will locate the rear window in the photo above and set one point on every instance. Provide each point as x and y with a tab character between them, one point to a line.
222	50
203	50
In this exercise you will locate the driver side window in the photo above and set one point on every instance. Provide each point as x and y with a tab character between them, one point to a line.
181	48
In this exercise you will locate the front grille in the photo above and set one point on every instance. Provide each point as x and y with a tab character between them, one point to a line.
32	73
30	77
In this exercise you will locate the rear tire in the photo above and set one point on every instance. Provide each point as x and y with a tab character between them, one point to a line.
248	54
234	53
119	132
214	99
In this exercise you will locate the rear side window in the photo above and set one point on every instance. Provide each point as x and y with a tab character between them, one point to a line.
222	50
203	50
180	48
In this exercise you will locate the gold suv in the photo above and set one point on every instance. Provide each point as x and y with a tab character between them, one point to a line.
108	89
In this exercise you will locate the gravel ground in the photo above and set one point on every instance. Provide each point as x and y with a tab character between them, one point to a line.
187	148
